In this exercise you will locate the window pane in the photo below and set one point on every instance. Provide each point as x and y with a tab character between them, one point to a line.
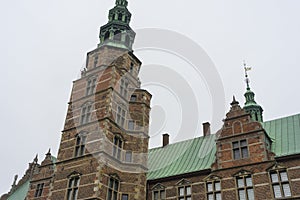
162	194
250	194
181	191
277	192
189	198
218	196
283	176
188	190
243	143
236	154
242	195
116	186
274	178
210	197
245	152
124	196
249	181
286	190
128	156
209	187
155	194
240	182
217	186
235	144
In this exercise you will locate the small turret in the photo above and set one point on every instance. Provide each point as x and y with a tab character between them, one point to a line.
251	107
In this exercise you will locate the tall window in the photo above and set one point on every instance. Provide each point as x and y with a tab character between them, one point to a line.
96	61
213	190
39	190
123	88
86	113
80	145
159	194
240	149
131	125
185	193
280	184
73	188
117	148
113	188
121	113
91	85
245	188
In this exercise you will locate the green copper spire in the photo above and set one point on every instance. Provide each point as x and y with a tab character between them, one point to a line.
251	106
117	32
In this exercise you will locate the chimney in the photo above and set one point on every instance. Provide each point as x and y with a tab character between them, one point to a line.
165	139
206	129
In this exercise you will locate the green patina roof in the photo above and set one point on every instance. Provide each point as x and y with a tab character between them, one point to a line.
285	133
199	153
20	193
182	157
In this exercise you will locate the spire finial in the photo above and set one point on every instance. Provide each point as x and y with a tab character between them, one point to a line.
35	160
247	68
234	101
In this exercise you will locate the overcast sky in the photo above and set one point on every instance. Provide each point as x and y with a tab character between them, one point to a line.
44	44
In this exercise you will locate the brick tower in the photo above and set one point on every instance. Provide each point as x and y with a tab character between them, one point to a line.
104	144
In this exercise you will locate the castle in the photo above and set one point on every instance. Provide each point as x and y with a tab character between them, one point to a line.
104	153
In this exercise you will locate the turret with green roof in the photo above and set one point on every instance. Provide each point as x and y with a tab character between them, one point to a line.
117	32
251	107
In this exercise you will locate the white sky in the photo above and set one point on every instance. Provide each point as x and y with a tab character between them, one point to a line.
44	43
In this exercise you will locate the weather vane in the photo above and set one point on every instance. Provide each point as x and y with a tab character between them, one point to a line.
247	68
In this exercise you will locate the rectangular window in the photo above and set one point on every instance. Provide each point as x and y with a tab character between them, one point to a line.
133	98
80	145
245	188
91	85
128	156
159	195
185	193
96	61
113	189
240	149
39	190
123	88
121	114
280	184
131	125
124	196
117	147
213	190
73	188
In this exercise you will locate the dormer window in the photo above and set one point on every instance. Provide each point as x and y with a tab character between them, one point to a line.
240	149
73	188
280	184
213	190
245	187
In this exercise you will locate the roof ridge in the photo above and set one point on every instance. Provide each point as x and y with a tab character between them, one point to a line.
283	117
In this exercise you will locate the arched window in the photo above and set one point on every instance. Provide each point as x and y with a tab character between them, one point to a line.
120	16
117	148
117	35
80	144
106	36
86	112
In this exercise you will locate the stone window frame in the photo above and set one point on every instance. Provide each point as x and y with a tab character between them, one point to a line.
214	190
158	191
118	143
241	148
121	115
124	85
86	113
186	186
246	187
80	142
280	183
39	190
113	187
73	186
91	85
